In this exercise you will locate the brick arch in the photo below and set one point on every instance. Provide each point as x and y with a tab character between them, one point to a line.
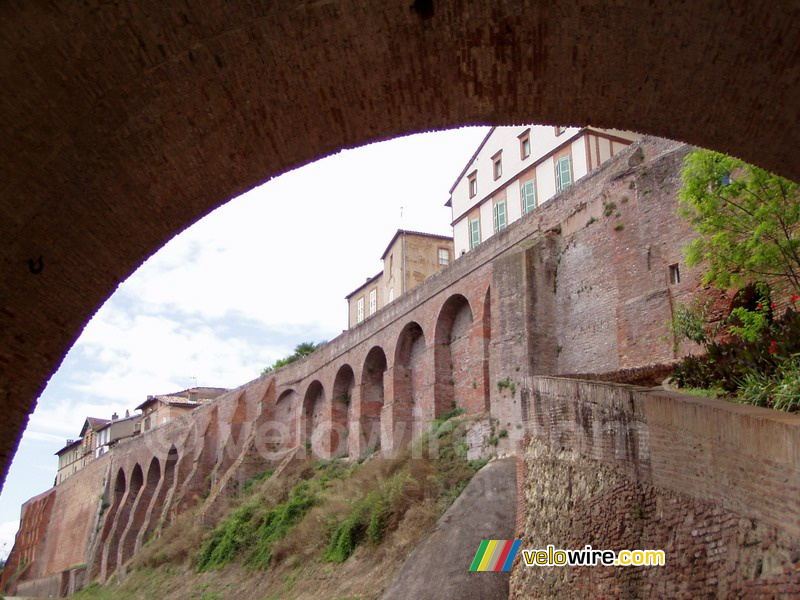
283	434
312	419
167	482
459	358
113	546
341	409
372	399
186	109
412	402
139	510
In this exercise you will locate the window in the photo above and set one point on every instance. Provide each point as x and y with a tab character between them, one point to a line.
473	185
527	194
674	274
373	302
497	162
391	294
563	173
474	233
525	145
360	310
499	216
444	256
391	263
560	129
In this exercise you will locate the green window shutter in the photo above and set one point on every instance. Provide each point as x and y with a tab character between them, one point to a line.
564	173
499	216
528	193
474	232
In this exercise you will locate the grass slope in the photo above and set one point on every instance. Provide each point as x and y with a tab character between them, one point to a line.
324	529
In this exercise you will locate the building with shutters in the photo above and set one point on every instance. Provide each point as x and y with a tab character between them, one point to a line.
517	168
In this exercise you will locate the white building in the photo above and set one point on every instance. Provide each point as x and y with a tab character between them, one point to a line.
517	168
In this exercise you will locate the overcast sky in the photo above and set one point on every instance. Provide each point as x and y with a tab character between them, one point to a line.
239	289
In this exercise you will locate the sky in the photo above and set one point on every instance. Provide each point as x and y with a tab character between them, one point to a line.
240	289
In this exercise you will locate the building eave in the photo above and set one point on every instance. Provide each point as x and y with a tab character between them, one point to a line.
363	285
437	236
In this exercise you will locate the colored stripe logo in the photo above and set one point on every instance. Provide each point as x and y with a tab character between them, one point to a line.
495	555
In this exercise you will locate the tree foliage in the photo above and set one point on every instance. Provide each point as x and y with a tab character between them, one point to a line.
300	351
748	220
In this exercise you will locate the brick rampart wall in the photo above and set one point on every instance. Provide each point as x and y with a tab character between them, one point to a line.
714	484
549	294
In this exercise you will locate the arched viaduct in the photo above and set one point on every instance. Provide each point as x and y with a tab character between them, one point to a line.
123	124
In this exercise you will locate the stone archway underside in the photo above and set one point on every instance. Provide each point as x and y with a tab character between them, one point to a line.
122	125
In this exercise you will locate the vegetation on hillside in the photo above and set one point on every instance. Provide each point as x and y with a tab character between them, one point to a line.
748	221
300	351
319	529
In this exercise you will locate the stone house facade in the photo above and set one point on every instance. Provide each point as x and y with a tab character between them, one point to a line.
409	259
517	168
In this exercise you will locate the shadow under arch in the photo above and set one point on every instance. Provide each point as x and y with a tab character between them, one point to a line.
283	432
139	511
312	420
341	410
158	513
372	403
412	404
459	359
112	549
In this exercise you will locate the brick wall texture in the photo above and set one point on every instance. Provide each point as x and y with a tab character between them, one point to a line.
716	487
563	291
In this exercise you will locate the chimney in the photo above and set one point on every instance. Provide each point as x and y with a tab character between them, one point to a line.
114	417
69	442
193	395
127	413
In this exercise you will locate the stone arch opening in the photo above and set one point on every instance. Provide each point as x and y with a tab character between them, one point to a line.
139	510
412	406
313	418
341	409
166	483
283	434
372	399
114	547
459	355
119	487
153	472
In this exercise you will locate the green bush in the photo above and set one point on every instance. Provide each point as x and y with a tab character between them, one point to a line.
233	534
251	530
368	519
277	522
